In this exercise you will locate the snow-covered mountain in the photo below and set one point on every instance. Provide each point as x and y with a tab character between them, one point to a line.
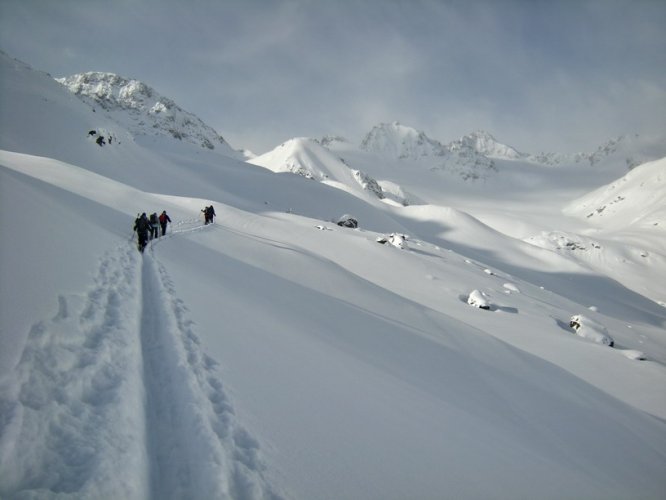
312	160
399	141
621	153
485	144
469	158
472	156
304	157
627	228
143	111
274	354
636	199
392	158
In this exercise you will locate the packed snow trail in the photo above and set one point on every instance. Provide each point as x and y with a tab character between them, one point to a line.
196	449
113	398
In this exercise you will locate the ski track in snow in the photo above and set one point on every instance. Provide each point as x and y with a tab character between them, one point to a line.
139	410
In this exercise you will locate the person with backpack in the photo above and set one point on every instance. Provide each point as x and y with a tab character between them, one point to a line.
153	225
164	220
210	213
141	228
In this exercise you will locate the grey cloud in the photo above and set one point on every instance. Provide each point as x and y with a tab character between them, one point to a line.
544	75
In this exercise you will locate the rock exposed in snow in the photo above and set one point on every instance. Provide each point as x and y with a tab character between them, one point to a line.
591	330
347	221
395	239
478	299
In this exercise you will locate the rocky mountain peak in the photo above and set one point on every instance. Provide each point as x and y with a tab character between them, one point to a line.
143	111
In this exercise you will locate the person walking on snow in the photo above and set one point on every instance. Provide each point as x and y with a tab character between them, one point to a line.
164	219
141	227
210	213
153	225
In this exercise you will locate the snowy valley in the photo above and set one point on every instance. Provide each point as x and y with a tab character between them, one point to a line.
277	354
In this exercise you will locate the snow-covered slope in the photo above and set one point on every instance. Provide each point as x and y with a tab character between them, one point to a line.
143	111
29	94
274	354
636	199
627	230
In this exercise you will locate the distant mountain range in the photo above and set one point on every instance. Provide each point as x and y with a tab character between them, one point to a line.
399	141
146	113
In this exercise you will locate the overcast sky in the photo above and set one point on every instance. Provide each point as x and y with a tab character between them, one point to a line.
556	75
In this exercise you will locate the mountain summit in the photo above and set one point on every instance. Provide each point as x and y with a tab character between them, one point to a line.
399	141
143	111
484	143
402	142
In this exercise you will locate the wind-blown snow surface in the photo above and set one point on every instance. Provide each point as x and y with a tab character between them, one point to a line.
274	354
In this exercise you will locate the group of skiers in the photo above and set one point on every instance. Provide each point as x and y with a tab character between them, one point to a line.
148	227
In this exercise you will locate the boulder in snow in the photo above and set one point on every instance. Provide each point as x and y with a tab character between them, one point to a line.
590	329
478	299
395	239
347	221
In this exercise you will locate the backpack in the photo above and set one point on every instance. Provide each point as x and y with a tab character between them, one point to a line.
141	225
162	218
